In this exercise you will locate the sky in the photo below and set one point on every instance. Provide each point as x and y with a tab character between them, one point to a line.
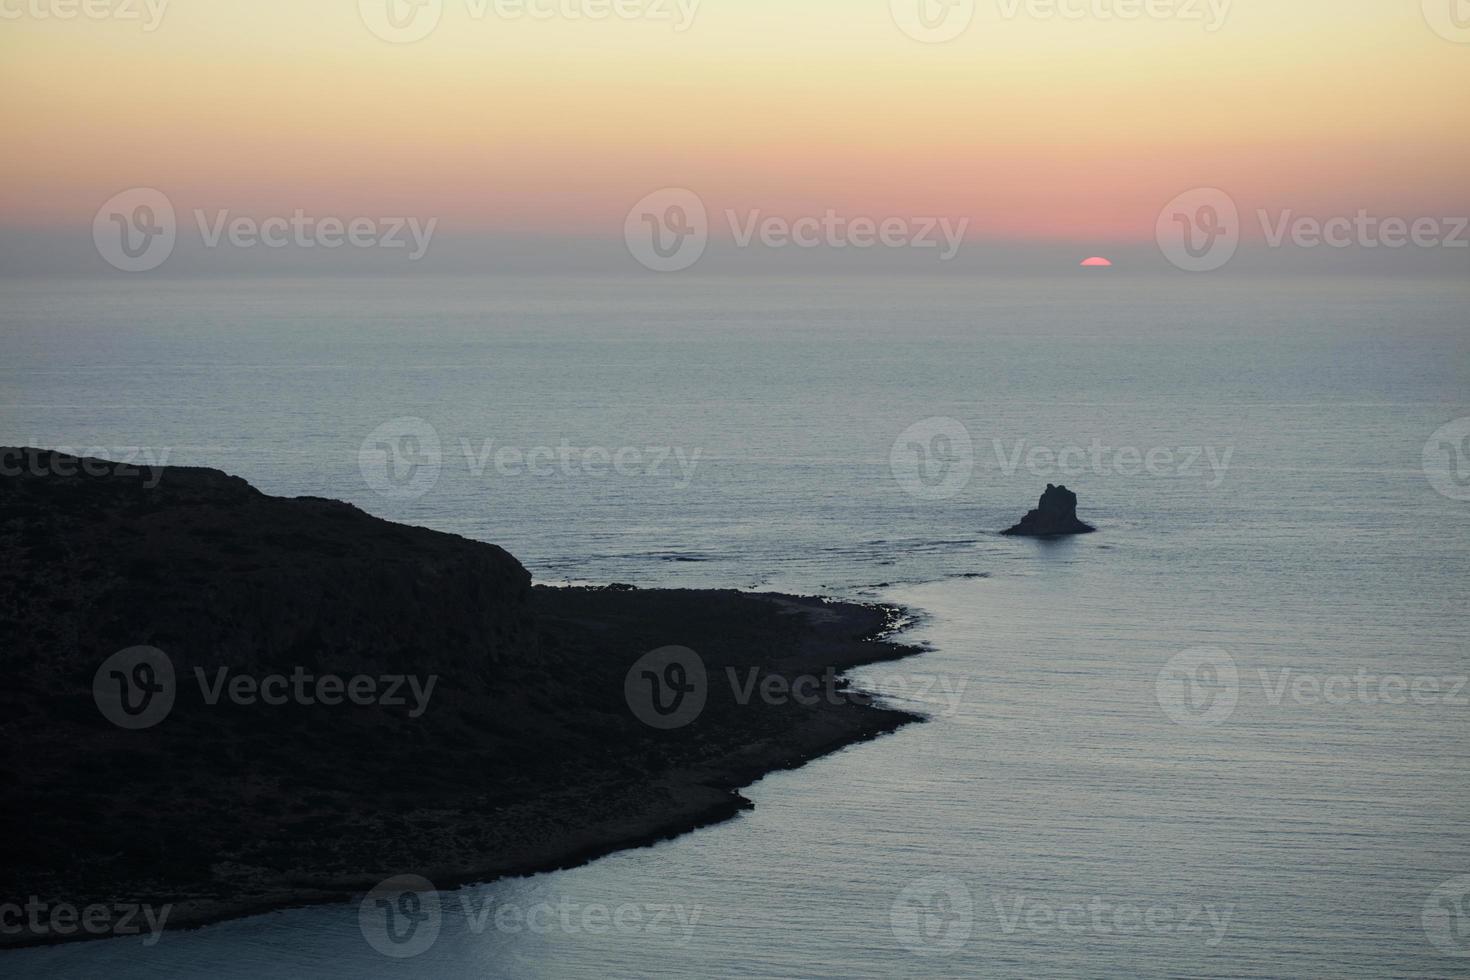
1037	122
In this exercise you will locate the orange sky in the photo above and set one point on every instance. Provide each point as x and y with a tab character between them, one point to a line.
1035	127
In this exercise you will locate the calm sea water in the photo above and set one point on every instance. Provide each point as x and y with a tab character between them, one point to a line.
1178	747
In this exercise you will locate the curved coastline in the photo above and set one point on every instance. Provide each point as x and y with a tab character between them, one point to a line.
528	761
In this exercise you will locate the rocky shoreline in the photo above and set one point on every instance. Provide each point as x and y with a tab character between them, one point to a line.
350	700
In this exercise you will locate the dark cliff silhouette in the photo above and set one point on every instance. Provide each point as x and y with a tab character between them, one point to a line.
526	755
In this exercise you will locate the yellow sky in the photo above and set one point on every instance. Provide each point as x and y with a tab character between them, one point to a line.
1036	126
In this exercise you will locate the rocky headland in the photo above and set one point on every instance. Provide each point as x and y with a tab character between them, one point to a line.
229	702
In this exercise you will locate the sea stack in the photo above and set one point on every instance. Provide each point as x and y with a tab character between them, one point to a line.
1054	516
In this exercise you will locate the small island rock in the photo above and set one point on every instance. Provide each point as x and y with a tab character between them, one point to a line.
1055	515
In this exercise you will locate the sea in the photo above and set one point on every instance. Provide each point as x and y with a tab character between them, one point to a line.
1226	735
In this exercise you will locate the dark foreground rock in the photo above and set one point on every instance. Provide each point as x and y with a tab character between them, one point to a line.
507	743
1055	515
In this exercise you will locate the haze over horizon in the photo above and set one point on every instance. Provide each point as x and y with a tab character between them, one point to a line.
1043	131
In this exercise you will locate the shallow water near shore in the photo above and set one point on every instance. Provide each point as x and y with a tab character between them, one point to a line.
1069	810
